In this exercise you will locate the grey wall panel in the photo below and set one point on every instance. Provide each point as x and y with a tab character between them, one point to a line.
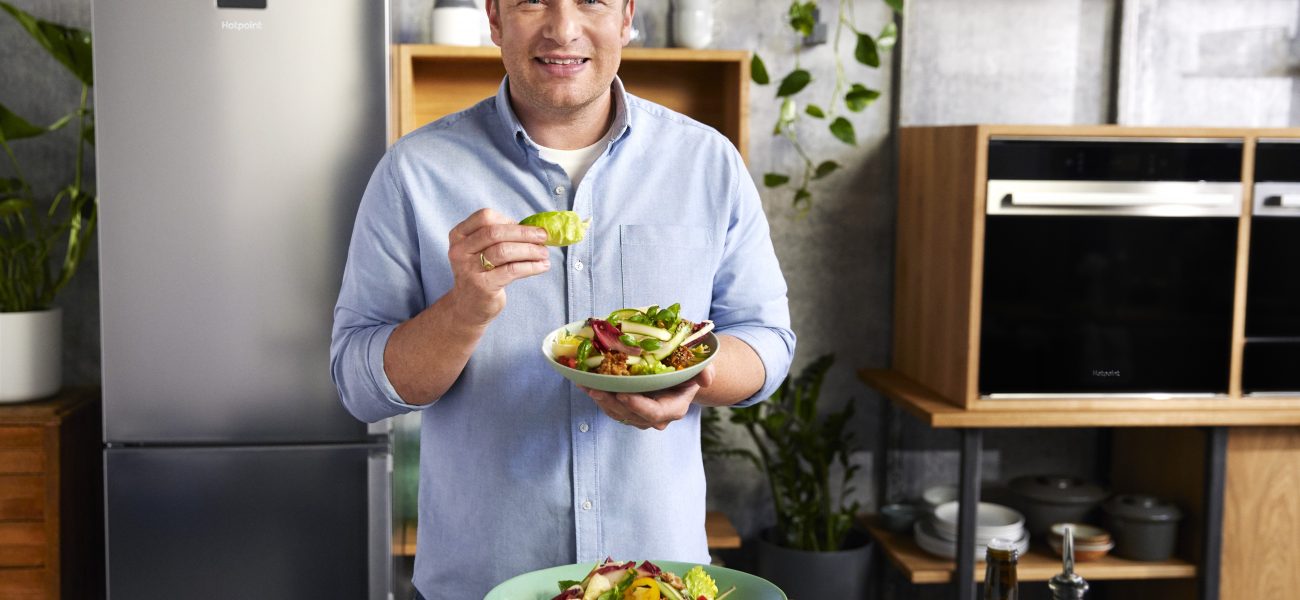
1210	63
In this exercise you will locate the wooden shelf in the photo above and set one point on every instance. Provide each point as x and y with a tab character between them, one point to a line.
711	86
1039	564
936	411
721	533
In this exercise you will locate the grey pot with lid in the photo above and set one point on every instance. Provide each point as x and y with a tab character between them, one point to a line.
1049	499
1144	527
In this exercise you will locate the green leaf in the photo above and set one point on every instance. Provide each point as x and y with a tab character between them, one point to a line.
14	127
866	52
775	179
68	45
758	71
803	199
888	37
859	97
793	83
64	120
842	129
815	111
802	19
10	186
897	5
14	206
826	168
88	134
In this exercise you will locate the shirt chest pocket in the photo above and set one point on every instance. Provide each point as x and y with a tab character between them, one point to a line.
663	264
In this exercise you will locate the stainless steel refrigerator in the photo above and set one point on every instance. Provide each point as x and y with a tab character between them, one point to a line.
234	141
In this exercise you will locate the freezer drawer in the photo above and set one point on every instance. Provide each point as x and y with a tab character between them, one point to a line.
277	523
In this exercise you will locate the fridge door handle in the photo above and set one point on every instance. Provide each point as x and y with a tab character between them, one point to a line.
380	524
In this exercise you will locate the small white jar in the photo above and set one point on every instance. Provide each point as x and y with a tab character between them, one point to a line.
692	23
456	23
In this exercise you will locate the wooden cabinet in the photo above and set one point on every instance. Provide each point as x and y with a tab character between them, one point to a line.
710	86
51	530
1232	461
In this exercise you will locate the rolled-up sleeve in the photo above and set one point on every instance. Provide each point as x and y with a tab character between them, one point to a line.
381	288
749	291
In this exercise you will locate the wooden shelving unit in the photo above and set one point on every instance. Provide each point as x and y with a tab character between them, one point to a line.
711	86
1039	564
1178	447
935	411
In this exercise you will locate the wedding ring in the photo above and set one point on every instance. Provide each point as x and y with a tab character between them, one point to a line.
623	421
487	264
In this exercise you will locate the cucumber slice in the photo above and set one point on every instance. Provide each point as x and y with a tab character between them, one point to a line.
683	330
654	332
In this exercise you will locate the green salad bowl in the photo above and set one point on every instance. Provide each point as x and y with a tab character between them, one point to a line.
545	584
631	384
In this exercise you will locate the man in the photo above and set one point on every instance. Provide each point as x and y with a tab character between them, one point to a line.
520	469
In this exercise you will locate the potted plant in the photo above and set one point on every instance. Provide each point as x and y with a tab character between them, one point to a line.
42	236
814	550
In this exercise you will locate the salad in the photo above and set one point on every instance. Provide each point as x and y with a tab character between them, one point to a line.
612	580
634	341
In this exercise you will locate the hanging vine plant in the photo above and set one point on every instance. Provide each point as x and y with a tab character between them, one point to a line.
851	96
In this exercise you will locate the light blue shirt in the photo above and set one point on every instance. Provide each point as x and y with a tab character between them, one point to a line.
519	469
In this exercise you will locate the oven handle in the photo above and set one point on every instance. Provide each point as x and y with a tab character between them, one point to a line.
1288	200
1066	199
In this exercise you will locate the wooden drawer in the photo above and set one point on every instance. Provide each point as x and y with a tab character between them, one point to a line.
21	450
22	584
22	497
22	544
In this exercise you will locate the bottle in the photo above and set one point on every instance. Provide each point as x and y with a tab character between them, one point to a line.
1000	571
456	23
1067	585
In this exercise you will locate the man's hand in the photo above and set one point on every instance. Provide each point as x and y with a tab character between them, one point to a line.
656	409
487	252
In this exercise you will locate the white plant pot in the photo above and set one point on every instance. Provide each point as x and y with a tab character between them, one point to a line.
31	349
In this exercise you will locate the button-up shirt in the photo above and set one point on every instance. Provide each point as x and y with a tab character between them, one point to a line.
519	469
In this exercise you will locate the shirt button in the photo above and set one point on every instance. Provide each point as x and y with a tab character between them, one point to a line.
559	190
583	427
586	505
577	265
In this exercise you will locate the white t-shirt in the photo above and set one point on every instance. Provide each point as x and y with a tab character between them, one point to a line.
575	162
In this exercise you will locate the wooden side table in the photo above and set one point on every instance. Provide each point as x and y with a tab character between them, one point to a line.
51	490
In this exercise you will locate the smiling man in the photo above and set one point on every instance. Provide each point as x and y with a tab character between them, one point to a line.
520	469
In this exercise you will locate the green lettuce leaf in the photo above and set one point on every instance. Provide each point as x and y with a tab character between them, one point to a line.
698	583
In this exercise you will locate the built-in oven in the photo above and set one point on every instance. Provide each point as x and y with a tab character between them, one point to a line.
1271	359
1109	267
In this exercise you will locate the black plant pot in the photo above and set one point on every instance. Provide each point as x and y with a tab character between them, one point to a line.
804	575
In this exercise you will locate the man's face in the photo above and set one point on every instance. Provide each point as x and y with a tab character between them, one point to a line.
560	54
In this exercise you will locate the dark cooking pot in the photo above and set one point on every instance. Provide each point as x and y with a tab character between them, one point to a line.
1049	499
1144	527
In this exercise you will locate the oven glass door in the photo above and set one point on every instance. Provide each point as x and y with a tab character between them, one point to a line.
1106	305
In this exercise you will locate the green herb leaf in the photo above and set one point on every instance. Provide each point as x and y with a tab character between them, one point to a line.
68	45
815	111
802	18
897	5
775	179
793	83
859	97
826	168
842	129
866	52
14	127
758	71
888	37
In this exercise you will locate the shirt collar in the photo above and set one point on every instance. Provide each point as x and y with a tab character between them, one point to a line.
622	116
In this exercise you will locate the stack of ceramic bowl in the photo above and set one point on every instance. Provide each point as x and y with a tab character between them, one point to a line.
1090	543
938	534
